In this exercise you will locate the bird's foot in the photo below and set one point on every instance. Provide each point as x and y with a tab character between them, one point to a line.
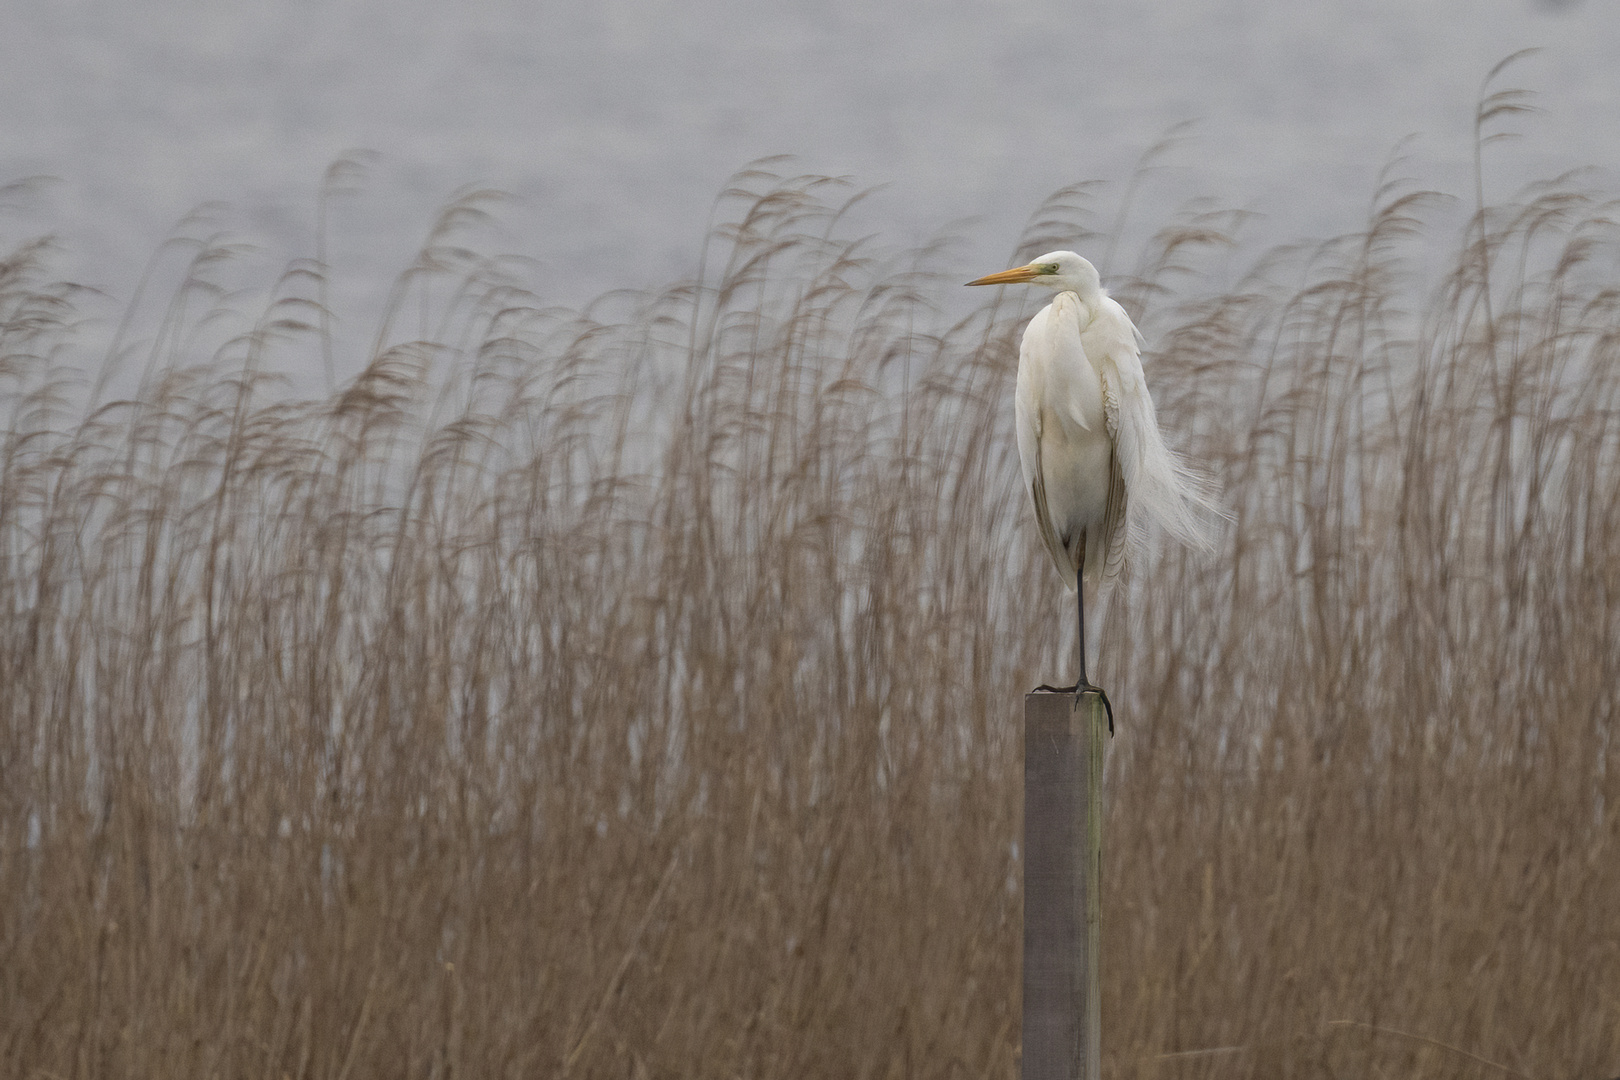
1080	690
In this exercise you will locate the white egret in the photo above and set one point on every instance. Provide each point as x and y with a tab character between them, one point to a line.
1094	462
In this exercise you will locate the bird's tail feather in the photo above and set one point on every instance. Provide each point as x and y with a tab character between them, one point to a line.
1164	490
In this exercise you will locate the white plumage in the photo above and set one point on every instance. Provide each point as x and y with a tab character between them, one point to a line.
1097	469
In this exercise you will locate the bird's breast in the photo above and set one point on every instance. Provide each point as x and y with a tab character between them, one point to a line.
1055	369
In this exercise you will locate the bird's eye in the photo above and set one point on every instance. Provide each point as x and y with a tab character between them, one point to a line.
1049	268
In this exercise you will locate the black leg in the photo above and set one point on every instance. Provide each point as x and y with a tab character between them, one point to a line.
1084	686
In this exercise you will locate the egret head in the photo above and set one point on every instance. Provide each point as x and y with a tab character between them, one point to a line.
1060	271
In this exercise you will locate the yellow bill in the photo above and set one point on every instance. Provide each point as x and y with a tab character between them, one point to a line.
1015	276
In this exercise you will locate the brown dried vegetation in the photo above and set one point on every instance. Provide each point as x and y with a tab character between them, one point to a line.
640	696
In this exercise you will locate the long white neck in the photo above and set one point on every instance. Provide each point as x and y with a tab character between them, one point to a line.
1086	286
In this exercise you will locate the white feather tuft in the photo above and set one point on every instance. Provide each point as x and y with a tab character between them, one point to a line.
1164	491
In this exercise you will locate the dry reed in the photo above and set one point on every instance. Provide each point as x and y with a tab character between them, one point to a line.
640	696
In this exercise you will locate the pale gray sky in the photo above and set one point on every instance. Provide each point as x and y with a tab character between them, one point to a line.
616	122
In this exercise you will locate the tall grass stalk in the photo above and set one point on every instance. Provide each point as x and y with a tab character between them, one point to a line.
636	692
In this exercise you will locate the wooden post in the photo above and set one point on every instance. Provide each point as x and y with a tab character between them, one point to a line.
1063	755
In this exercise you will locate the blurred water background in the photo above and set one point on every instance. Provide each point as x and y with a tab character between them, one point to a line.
614	124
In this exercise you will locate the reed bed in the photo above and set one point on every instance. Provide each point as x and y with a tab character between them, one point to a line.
637	692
